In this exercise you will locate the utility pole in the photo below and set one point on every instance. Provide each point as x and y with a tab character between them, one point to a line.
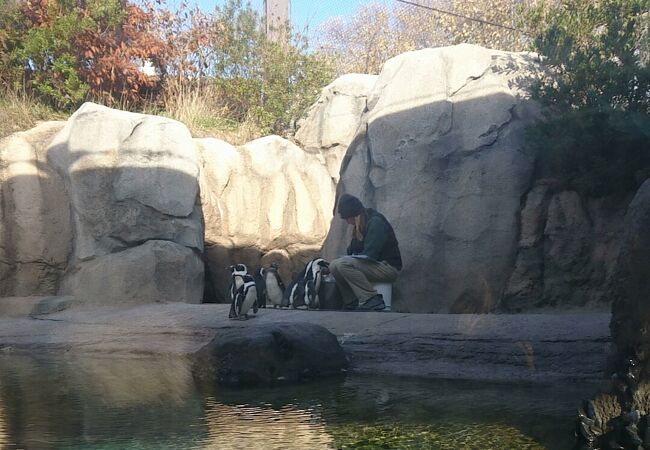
276	13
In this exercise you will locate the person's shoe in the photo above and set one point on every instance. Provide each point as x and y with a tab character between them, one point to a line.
350	307
375	303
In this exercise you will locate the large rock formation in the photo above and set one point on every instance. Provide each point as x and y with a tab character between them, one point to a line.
619	417
266	201
272	201
332	122
103	208
131	179
436	143
568	247
441	153
35	229
630	325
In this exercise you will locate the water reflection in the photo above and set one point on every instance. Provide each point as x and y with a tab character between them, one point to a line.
4	438
102	403
264	427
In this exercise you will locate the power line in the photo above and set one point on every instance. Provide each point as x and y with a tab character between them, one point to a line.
450	13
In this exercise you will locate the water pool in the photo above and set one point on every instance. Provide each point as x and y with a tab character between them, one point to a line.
69	402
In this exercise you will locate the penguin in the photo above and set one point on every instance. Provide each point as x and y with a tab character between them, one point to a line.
260	286
245	298
294	295
238	272
274	285
313	277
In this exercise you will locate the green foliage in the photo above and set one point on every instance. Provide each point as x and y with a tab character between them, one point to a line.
440	436
8	18
595	136
46	54
62	52
45	46
267	82
595	152
594	50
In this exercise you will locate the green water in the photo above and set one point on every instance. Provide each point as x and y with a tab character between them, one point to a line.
103	403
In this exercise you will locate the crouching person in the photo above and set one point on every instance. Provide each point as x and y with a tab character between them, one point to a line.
374	256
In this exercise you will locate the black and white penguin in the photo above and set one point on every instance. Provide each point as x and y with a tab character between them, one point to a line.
294	295
260	286
274	285
245	299
237	274
313	276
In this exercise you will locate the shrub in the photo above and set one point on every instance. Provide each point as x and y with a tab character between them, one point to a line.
596	134
595	152
66	50
271	83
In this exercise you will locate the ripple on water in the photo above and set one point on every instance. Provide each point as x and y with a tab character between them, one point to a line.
264	427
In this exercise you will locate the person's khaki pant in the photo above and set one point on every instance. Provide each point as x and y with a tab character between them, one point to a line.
354	278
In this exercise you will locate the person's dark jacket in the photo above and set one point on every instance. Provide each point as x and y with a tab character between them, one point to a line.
379	241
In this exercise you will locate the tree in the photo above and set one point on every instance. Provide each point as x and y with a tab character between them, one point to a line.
595	134
8	10
68	49
596	53
256	79
375	33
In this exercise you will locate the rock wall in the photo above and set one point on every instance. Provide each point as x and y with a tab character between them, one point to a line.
331	123
131	179
266	201
104	208
35	228
619	416
436	142
441	153
630	324
568	248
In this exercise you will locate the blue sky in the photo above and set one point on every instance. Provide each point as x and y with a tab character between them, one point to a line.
307	12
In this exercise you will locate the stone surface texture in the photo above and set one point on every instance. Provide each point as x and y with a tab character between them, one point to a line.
441	153
539	348
132	181
103	207
619	415
265	201
35	228
330	125
568	248
630	325
436	142
156	271
270	353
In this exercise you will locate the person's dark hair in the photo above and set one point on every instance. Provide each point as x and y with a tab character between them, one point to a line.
349	206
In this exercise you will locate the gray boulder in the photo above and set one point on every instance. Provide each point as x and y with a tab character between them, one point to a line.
332	122
130	177
154	272
441	153
270	353
132	190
